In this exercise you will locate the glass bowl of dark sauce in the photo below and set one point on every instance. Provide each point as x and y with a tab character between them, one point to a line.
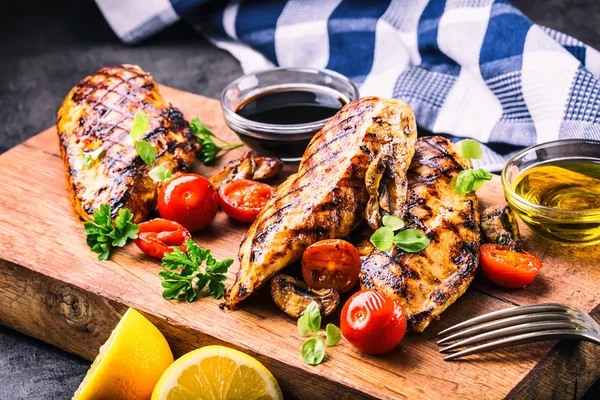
277	112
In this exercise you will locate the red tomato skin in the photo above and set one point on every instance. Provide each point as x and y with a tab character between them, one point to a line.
241	212
507	268
373	322
189	199
329	252
160	236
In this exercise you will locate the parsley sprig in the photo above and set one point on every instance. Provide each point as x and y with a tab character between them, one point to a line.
209	150
102	235
471	179
409	240
181	273
313	350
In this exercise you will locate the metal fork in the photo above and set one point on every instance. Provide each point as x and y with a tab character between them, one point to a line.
518	325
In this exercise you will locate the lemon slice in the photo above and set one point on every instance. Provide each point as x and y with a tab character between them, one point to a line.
129	363
216	373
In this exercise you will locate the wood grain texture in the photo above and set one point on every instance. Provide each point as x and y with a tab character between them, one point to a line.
55	289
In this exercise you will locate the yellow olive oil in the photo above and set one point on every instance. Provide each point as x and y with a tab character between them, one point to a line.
571	185
565	185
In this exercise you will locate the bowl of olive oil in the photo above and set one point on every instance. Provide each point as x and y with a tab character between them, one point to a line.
555	188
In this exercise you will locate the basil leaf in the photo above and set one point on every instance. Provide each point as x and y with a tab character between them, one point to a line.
312	315
464	182
146	151
482	174
383	238
470	148
140	125
303	328
313	351
392	222
86	159
333	334
411	240
160	174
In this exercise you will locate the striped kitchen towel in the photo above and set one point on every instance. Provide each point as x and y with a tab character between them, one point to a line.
468	68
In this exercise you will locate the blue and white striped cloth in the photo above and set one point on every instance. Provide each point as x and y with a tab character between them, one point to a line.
468	68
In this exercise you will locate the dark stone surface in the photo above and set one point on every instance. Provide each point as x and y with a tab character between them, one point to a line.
47	46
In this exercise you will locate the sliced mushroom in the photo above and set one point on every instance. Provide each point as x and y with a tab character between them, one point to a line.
499	225
292	296
247	166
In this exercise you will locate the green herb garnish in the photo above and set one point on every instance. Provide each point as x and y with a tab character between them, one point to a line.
160	174
190	279
144	149
88	159
313	350
102	235
409	240
383	238
471	179
470	149
333	335
209	149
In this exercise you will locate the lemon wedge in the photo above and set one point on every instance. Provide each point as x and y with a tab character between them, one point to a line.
217	373
129	363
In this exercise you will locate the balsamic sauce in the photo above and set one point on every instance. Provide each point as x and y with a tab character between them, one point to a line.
289	107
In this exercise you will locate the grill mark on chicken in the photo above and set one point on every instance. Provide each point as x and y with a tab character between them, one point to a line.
426	283
98	114
328	195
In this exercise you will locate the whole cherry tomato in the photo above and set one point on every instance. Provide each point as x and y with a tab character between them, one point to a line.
508	268
244	199
189	199
373	322
331	264
160	236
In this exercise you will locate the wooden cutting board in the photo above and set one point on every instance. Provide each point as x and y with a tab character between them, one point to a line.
52	287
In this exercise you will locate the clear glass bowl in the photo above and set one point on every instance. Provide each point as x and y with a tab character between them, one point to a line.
575	227
289	141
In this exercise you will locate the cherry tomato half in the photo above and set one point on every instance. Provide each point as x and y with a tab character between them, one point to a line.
508	268
373	322
189	199
243	199
160	236
331	264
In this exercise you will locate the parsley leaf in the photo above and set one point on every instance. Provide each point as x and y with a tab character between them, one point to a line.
102	235
209	149
160	174
190	279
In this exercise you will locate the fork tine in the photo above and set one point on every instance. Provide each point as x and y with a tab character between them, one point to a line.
511	330
519	339
509	312
507	322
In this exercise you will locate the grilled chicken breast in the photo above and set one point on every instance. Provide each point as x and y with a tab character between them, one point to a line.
96	118
359	158
426	283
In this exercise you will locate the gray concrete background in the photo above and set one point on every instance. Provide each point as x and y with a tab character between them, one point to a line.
46	46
